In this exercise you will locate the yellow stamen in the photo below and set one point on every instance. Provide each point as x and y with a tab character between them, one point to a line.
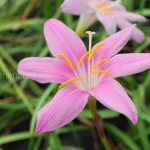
94	50
90	53
71	80
101	71
100	63
67	60
83	57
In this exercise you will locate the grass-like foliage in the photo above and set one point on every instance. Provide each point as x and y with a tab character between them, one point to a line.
21	35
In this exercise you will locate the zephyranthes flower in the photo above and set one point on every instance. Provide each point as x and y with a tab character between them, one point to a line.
82	74
110	13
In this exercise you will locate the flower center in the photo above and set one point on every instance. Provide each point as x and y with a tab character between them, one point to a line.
91	68
107	7
103	7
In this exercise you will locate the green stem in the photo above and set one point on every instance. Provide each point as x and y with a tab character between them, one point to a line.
83	24
105	143
92	105
98	123
80	30
15	137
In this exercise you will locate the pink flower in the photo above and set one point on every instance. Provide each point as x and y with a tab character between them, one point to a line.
84	73
110	13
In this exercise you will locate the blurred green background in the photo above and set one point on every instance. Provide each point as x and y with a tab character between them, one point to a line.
21	35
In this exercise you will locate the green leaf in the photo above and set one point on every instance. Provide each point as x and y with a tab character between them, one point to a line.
125	138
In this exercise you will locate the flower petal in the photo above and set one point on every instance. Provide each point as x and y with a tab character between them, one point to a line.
137	34
119	7
127	64
76	7
113	44
112	95
133	17
63	108
45	70
108	23
61	39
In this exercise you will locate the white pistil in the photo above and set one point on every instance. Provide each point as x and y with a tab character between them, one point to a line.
90	33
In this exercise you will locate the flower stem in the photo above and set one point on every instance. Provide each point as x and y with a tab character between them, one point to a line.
80	30
83	24
105	143
98	123
92	105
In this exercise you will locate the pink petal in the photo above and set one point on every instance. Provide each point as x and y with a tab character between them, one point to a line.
115	5
119	8
76	7
137	34
112	95
45	70
114	44
108	22
63	108
133	17
127	64
61	39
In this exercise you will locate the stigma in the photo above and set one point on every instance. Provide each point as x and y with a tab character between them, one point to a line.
90	33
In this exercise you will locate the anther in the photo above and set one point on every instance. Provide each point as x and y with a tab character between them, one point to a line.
101	71
71	80
67	60
94	50
83	57
100	63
